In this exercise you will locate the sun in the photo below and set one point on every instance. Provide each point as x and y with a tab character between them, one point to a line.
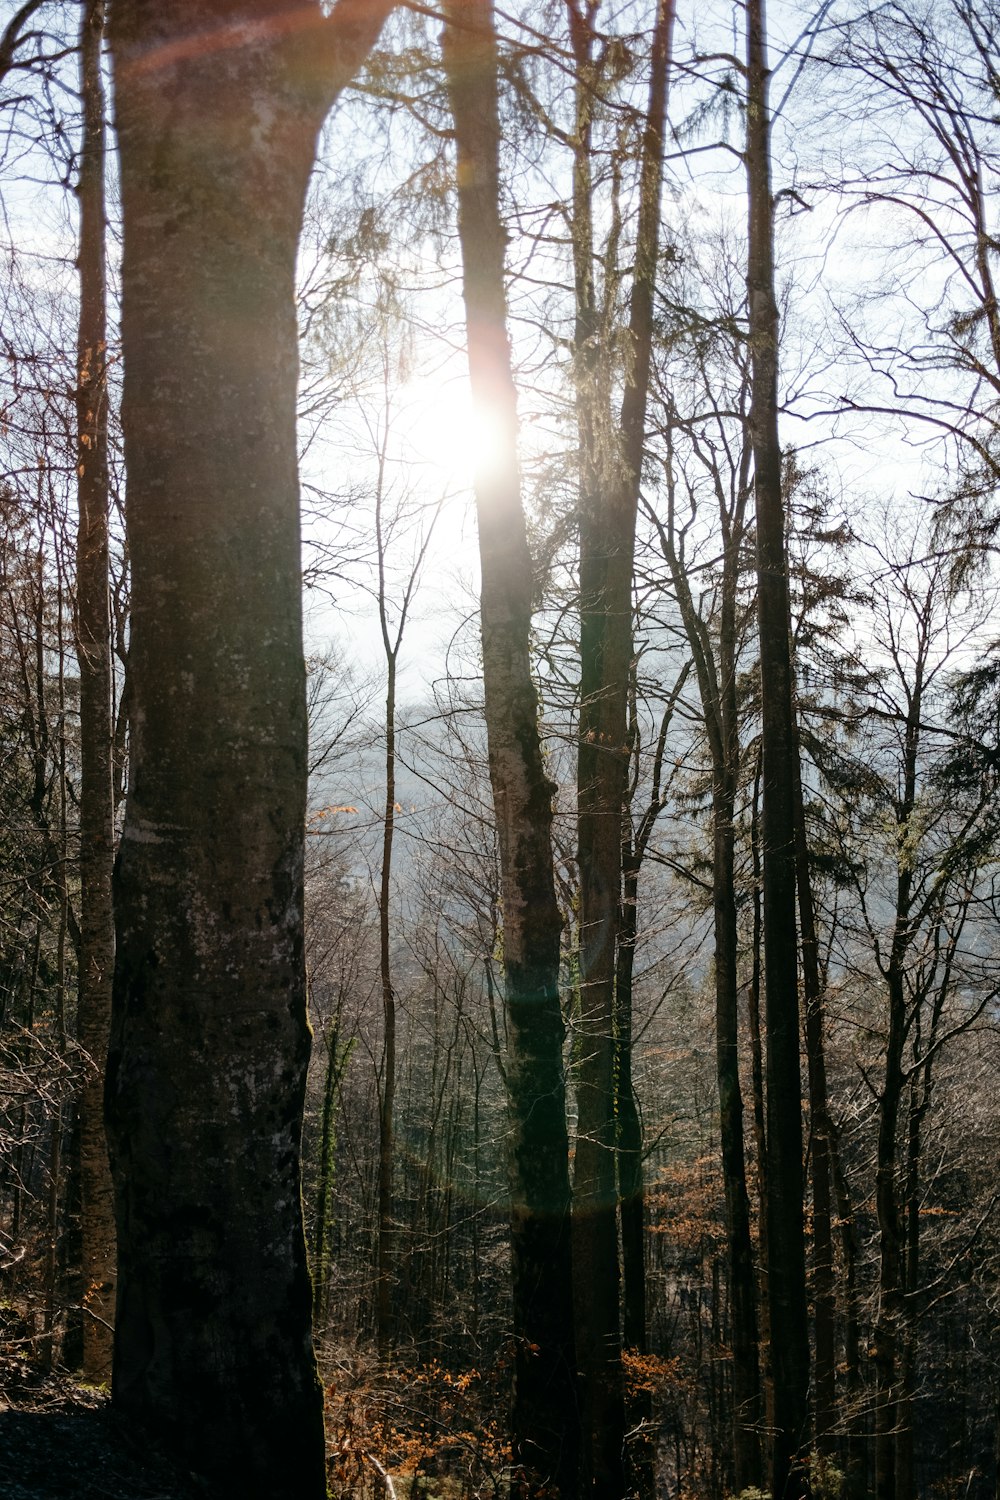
445	430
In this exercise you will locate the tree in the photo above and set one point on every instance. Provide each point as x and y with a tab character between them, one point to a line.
545	1421
929	800
610	477
392	631
723	460
218	111
785	1189
93	642
931	159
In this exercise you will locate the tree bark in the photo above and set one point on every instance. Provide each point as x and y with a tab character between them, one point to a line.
93	648
545	1430
609	495
786	1242
218	110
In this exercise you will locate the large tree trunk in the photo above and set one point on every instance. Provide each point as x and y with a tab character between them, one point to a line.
609	494
545	1435
785	1236
93	647
218	110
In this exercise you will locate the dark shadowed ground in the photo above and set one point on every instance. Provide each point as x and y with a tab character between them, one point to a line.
60	1442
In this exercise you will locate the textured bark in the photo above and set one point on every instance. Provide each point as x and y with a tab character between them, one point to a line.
217	111
786	1241
93	649
545	1433
611	460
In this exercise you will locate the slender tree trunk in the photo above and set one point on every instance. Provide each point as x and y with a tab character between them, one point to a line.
857	1446
918	1104
890	1251
631	1187
824	1291
890	1316
785	1189
746	1370
757	1090
336	1062
218	108
50	1342
20	1174
545	1432
641	1467
919	1095
392	640
629	1140
383	1301
717	687
93	643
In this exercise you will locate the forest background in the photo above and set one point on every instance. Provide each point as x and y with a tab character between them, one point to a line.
783	1155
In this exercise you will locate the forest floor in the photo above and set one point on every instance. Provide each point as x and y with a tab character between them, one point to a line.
60	1441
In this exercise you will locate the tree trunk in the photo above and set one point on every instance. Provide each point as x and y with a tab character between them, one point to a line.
786	1242
629	1138
889	1320
545	1432
857	1446
218	111
93	646
717	683
606	554
386	1153
641	1456
890	1248
609	495
337	1058
824	1293
759	1101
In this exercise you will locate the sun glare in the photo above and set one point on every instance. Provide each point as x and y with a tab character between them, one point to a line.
445	430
